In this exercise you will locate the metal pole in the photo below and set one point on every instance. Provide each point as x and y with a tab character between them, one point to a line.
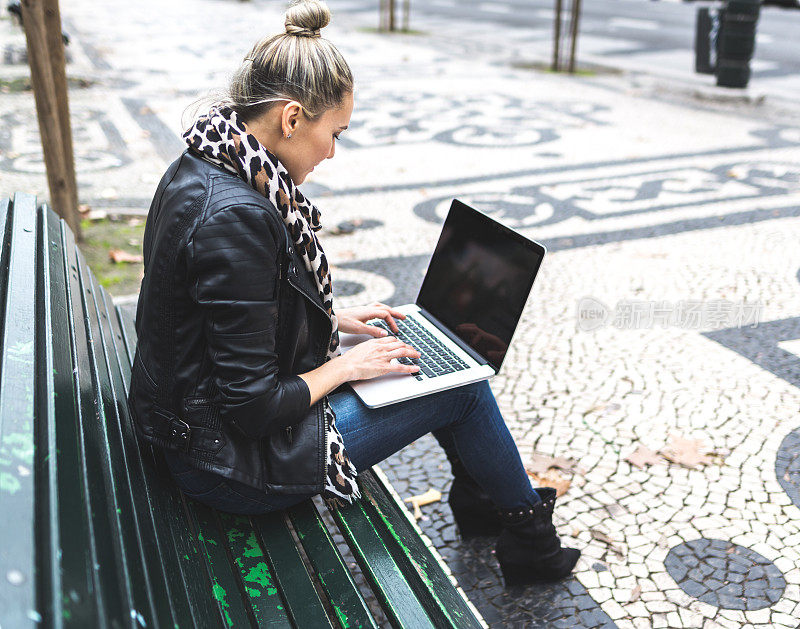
574	21
555	67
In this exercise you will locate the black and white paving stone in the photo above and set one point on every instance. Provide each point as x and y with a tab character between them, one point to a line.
640	196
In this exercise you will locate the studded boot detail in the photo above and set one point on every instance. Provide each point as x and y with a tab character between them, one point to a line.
528	549
474	512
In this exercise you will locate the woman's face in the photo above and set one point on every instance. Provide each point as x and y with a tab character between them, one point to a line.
312	140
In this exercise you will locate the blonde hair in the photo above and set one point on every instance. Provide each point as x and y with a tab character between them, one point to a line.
296	65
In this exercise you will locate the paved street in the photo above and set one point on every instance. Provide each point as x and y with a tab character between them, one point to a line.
664	326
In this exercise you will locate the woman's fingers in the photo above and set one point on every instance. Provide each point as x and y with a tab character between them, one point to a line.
404	352
382	311
373	330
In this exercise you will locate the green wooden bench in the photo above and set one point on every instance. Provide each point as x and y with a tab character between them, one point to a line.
94	534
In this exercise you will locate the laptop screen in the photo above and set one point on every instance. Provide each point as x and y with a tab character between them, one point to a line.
479	279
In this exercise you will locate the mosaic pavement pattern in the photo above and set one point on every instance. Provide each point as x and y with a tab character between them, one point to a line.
670	215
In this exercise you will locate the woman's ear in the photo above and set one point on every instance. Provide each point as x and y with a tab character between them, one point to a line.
290	118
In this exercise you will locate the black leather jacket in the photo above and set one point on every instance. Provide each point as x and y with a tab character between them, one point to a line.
227	316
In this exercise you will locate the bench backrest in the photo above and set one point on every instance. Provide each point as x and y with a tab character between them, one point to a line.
92	532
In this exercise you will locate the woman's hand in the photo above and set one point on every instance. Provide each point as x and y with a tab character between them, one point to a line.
354	320
372	358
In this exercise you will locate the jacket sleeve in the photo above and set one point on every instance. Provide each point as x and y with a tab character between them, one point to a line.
232	268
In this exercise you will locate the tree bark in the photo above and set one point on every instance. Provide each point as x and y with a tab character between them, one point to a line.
50	98
555	66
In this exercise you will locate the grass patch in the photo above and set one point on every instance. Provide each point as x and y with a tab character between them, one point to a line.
99	237
378	31
14	86
582	70
23	84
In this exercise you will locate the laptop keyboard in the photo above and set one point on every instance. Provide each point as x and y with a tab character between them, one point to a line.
435	360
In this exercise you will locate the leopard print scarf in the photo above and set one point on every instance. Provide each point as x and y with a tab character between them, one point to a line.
222	138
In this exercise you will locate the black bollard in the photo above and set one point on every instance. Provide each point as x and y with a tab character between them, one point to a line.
737	42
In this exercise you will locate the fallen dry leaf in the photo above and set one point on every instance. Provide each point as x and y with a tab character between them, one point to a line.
432	495
600	536
540	463
643	456
636	592
686	452
118	255
551	478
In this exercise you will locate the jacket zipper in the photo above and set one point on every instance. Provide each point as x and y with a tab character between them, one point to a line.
319	307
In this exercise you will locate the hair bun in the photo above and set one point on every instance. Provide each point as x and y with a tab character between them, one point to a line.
307	18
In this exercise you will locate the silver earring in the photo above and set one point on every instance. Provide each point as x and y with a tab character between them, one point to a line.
288	135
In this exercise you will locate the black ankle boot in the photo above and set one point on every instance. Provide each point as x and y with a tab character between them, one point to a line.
528	549
473	510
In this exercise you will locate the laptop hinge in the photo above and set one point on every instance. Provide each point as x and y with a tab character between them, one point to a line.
443	328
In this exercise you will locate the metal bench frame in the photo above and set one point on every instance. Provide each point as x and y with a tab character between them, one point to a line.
93	533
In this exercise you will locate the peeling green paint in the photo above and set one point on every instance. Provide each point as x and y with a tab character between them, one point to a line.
203	539
260	574
253	549
186	557
21	351
341	616
19	444
252	592
9	483
234	534
220	594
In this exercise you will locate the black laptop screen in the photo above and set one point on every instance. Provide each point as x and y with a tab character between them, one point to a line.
479	279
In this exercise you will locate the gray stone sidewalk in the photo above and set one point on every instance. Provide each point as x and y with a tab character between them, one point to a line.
666	315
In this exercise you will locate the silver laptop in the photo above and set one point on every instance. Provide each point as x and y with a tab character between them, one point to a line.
468	307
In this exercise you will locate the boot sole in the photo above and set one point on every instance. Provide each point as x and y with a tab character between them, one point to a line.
526	575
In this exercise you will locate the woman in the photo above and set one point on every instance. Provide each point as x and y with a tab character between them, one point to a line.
237	374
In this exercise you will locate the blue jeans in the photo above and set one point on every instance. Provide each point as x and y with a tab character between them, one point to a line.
465	421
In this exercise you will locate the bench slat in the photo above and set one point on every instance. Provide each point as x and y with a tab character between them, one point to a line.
69	580
298	592
192	585
156	541
126	460
259	584
393	592
424	571
211	544
17	516
113	585
336	580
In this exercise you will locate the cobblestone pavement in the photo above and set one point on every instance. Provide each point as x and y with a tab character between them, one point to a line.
672	228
